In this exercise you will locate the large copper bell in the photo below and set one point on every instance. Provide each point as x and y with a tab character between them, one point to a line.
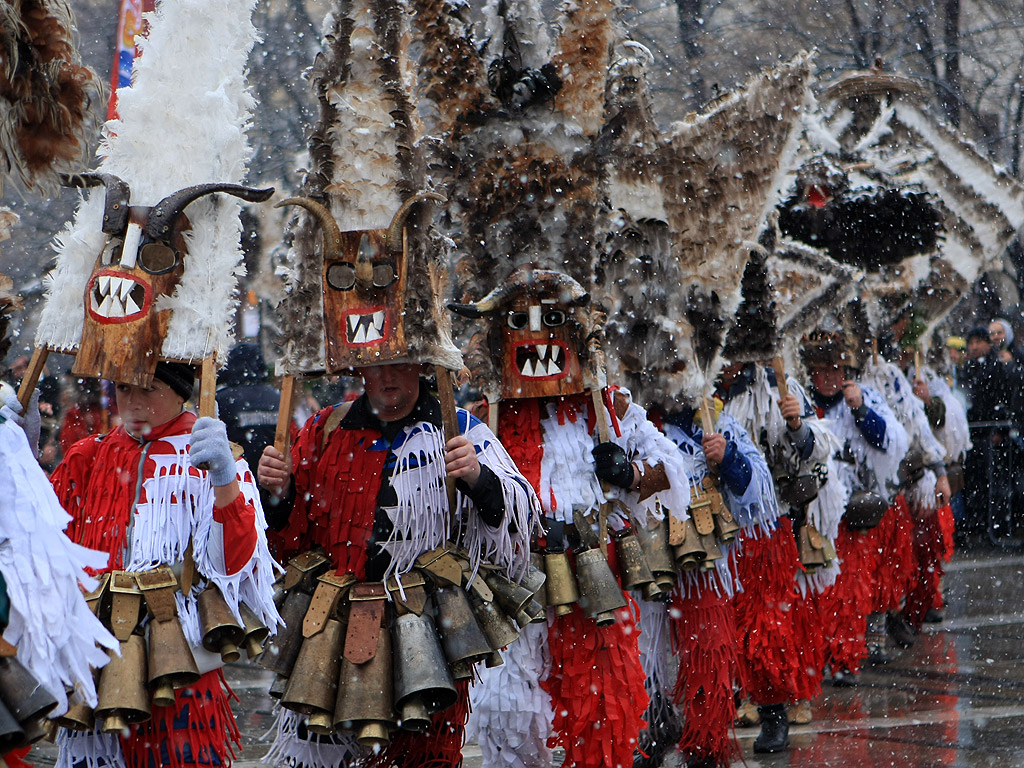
365	696
12	735
123	698
221	631
496	625
423	684
561	587
690	553
256	632
463	641
658	554
282	650
537	563
27	701
600	594
726	526
712	552
636	574
313	684
79	717
171	664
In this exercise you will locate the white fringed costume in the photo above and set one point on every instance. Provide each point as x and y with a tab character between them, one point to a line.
581	681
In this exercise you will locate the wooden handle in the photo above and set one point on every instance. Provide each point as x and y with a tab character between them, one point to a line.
208	388
492	417
918	371
604	434
284	414
707	415
874	351
31	377
450	419
780	376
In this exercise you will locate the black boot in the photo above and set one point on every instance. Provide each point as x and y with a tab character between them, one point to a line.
774	736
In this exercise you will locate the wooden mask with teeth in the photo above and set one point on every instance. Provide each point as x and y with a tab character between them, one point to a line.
538	330
143	259
364	285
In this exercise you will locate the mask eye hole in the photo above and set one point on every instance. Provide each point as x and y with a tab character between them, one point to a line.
341	276
383	274
554	318
518	320
157	258
110	250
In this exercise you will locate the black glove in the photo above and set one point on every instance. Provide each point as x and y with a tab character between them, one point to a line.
612	466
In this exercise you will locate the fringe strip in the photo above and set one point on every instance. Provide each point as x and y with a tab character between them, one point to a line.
845	607
704	636
897	567
200	727
769	666
929	550
810	646
597	689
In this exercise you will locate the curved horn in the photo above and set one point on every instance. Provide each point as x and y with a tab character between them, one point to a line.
163	214
331	230
115	202
393	239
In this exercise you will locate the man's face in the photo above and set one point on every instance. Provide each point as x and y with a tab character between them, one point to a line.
956	355
828	380
392	389
729	374
978	347
996	334
144	408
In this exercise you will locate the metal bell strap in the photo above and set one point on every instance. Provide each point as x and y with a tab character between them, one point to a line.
125	604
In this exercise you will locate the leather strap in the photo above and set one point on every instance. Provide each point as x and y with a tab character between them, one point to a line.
158	588
329	589
365	619
126	600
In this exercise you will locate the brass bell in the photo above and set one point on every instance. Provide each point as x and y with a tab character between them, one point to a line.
726	526
461	636
811	557
123	698
537	561
278	687
423	684
313	684
414	716
534	579
494	659
636	574
282	649
256	632
712	551
12	735
79	717
532	612
510	596
365	694
561	586
600	594
221	631
171	663
690	553
829	551
24	697
496	625
654	542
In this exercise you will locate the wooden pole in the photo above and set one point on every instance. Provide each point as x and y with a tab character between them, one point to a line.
31	377
285	407
604	434
780	376
450	419
208	387
874	351
918	372
492	417
707	415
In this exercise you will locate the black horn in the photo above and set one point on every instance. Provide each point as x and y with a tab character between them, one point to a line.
115	202
328	224
166	211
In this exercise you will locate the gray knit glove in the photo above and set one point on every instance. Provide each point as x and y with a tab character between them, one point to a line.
32	424
209	449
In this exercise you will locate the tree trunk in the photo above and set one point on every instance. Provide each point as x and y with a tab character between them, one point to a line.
951	34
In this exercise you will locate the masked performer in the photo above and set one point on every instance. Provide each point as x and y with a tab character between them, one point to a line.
873	444
144	282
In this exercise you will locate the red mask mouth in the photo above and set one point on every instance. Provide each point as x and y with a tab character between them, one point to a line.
116	297
366	326
541	360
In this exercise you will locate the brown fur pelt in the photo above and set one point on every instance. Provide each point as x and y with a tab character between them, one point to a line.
9	303
47	97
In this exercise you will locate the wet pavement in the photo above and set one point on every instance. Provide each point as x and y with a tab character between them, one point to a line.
956	698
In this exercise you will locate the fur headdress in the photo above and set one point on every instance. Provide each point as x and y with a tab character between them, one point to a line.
366	179
180	137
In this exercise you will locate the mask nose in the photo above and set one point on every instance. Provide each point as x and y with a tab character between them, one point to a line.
535	317
130	249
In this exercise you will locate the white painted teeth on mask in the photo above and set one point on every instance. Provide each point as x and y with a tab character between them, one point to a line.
111	297
362	329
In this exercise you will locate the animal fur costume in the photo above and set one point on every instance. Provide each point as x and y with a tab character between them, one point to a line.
668	281
58	639
523	213
872	446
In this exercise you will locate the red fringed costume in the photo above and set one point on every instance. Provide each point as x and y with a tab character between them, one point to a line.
931	544
896	572
845	606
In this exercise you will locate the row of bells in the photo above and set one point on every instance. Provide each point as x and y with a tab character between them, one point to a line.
24	705
156	660
416	661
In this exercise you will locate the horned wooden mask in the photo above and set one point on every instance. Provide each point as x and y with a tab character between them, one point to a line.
538	330
364	286
143	258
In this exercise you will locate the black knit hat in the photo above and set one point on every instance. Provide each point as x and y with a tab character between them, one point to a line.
180	377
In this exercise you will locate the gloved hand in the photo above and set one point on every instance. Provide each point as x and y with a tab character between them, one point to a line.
32	424
612	466
209	445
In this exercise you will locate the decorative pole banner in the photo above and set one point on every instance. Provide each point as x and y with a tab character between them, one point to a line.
130	23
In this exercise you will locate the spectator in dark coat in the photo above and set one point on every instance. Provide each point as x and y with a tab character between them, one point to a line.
247	402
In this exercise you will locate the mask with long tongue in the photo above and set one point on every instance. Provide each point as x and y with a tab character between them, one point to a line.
538	330
364	285
143	258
